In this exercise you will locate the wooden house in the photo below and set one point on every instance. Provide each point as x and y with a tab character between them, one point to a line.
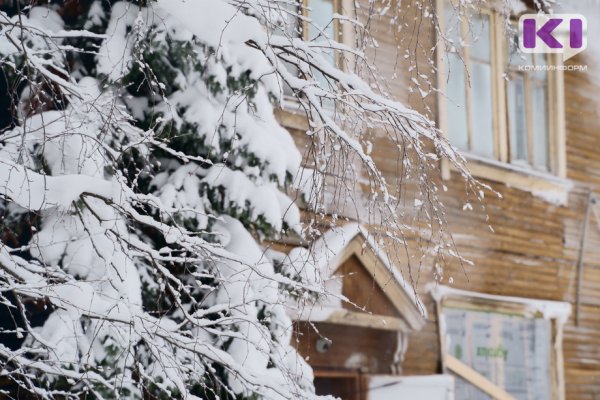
522	322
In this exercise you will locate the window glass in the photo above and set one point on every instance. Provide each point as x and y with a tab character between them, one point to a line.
481	89
515	56
452	26
539	110
456	103
482	137
527	106
470	91
480	33
470	132
289	14
321	14
540	128
456	91
539	60
321	28
517	121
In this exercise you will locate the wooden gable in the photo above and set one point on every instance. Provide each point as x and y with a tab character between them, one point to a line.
379	298
362	291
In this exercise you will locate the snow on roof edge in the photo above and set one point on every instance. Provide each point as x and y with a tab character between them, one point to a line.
550	309
439	379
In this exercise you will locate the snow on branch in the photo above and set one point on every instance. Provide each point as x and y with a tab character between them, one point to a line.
145	171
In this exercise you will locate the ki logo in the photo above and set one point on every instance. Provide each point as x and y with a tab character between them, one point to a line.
565	34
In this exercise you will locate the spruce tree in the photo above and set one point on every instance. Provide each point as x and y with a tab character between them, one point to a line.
142	173
187	124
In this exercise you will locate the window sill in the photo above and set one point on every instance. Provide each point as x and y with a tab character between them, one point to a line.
292	115
548	187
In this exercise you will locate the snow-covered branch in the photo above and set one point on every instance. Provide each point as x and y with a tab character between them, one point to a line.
146	169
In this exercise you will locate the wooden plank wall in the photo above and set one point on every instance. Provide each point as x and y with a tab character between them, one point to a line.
367	350
533	251
582	344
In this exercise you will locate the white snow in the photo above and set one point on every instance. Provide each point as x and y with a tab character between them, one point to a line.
550	309
264	200
517	6
33	191
224	24
64	336
590	9
324	254
427	387
114	56
180	190
557	195
90	253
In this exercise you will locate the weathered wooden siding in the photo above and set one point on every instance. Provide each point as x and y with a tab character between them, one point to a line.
353	348
582	343
358	286
534	247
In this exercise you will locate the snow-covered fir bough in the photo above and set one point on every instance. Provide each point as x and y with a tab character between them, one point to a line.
144	169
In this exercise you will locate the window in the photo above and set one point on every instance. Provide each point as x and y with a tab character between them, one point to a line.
526	100
470	109
322	27
315	22
502	347
496	106
319	12
290	14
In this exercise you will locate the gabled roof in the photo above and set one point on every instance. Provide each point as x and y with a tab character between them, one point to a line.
335	248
